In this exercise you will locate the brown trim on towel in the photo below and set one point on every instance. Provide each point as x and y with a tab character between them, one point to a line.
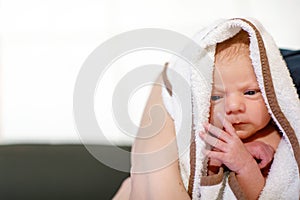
235	186
192	161
271	96
212	179
166	80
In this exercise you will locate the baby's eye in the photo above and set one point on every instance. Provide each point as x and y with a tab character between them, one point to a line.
215	97
251	92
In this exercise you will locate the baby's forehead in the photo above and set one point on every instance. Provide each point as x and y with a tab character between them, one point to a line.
234	63
233	47
239	62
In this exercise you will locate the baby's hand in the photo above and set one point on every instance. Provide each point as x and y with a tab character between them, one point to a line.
232	151
213	164
260	151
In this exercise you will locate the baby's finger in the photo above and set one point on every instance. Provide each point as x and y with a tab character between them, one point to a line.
226	124
213	141
263	164
215	155
268	157
220	134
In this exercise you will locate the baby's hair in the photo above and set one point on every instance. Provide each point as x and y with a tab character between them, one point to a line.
233	47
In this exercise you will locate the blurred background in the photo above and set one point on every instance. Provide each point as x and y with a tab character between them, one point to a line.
44	44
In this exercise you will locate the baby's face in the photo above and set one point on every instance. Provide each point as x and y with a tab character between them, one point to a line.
237	97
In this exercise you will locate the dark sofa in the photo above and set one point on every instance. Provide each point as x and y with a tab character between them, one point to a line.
292	58
54	172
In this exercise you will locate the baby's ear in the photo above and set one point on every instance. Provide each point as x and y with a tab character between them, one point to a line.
166	80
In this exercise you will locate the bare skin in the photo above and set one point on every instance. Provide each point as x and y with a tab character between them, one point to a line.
239	132
166	183
238	116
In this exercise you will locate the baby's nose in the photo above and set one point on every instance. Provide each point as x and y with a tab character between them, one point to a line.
234	103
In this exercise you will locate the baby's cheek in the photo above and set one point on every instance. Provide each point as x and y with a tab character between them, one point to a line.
259	114
213	119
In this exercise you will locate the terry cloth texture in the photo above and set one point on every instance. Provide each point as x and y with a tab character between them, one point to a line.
278	92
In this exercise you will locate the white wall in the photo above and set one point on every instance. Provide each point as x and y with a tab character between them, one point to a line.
44	43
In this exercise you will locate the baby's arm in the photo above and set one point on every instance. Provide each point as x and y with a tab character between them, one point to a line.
233	153
261	151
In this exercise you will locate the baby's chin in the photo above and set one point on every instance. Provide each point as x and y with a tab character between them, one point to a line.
244	134
242	130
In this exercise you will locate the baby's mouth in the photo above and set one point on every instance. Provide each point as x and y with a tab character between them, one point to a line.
239	125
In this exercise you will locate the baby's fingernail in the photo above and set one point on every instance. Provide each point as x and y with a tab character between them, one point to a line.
204	152
205	124
201	133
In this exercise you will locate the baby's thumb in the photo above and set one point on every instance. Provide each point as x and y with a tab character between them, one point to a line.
262	164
